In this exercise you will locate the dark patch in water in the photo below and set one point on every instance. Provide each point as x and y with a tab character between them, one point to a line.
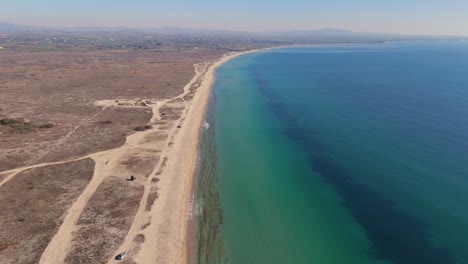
396	235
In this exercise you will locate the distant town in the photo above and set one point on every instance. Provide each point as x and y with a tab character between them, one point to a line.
123	40
25	38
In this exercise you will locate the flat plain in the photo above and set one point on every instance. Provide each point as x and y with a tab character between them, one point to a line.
74	126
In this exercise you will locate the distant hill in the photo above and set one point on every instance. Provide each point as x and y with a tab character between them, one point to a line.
4	26
328	35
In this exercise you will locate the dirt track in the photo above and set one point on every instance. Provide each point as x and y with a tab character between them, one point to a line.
147	220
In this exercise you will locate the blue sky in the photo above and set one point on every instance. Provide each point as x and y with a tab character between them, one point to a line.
438	17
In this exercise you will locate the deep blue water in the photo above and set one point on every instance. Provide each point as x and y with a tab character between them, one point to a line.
359	151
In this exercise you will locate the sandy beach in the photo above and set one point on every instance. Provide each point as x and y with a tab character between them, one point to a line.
158	228
153	132
107	214
166	235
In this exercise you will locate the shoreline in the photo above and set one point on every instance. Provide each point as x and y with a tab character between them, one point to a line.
158	232
168	237
203	93
167	231
163	228
192	238
191	243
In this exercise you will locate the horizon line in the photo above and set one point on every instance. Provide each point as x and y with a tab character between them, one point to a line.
45	27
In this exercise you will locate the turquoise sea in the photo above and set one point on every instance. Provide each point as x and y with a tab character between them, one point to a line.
337	154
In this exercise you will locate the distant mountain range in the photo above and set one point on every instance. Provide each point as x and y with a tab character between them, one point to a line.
293	35
12	27
4	26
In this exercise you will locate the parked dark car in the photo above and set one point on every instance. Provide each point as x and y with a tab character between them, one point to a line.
121	256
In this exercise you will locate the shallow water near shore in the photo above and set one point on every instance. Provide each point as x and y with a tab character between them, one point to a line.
337	154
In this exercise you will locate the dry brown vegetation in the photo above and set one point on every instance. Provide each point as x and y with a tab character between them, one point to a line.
153	194
105	221
171	111
21	126
143	127
3	176
50	111
140	163
33	205
160	136
58	90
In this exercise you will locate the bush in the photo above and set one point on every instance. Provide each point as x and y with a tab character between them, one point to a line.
107	122
10	121
48	125
143	128
20	126
17	125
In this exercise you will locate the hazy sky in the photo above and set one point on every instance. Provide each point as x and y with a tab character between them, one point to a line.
441	17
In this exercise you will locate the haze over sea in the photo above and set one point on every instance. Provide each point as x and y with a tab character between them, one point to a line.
337	154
